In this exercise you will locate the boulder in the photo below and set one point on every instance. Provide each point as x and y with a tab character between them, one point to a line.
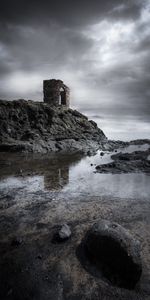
113	250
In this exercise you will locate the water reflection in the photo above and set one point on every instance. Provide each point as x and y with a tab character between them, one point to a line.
72	175
49	172
84	181
56	179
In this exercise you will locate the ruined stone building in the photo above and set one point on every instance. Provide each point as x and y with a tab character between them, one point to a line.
56	93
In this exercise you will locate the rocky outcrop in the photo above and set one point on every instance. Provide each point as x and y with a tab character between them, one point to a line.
137	161
115	253
37	127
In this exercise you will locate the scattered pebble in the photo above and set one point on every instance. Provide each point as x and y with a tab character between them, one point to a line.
102	154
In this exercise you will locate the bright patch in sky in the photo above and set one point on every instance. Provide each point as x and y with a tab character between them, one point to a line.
24	82
110	41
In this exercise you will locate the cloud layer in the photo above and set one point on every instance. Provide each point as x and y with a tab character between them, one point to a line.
99	48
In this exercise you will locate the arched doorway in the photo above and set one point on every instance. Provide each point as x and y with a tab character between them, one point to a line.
62	96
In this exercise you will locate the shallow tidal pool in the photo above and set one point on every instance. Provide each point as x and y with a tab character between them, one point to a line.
72	174
38	193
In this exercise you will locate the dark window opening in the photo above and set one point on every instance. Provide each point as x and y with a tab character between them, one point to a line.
62	97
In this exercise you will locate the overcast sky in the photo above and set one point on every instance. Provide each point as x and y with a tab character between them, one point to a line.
100	49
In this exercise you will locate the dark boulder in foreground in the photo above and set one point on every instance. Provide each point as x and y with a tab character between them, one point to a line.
37	127
112	249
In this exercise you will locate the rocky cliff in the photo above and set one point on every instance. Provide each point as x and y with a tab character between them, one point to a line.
36	127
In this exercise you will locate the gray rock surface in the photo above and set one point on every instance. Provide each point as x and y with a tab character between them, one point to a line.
115	252
37	127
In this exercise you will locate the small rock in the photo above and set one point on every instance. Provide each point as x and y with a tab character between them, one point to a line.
9	130
102	154
65	232
89	153
39	256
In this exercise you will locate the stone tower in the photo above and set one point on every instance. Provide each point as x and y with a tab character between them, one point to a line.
56	93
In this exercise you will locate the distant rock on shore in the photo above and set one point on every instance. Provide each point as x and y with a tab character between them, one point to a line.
37	127
137	161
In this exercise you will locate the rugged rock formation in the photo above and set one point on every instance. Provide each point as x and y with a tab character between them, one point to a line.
37	127
137	161
115	252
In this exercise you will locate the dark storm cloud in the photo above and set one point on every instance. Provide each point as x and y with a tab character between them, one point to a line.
31	48
68	12
99	48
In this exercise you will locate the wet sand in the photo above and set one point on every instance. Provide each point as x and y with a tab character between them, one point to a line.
38	194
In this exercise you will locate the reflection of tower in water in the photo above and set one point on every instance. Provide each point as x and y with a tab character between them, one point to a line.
56	178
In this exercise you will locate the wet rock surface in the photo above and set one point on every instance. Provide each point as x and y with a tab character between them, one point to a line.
113	250
40	269
29	126
136	161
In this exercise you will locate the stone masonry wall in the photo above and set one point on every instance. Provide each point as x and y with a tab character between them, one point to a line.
56	93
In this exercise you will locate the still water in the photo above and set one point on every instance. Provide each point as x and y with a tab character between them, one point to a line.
71	176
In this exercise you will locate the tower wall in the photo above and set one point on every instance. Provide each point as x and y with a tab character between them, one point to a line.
56	93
